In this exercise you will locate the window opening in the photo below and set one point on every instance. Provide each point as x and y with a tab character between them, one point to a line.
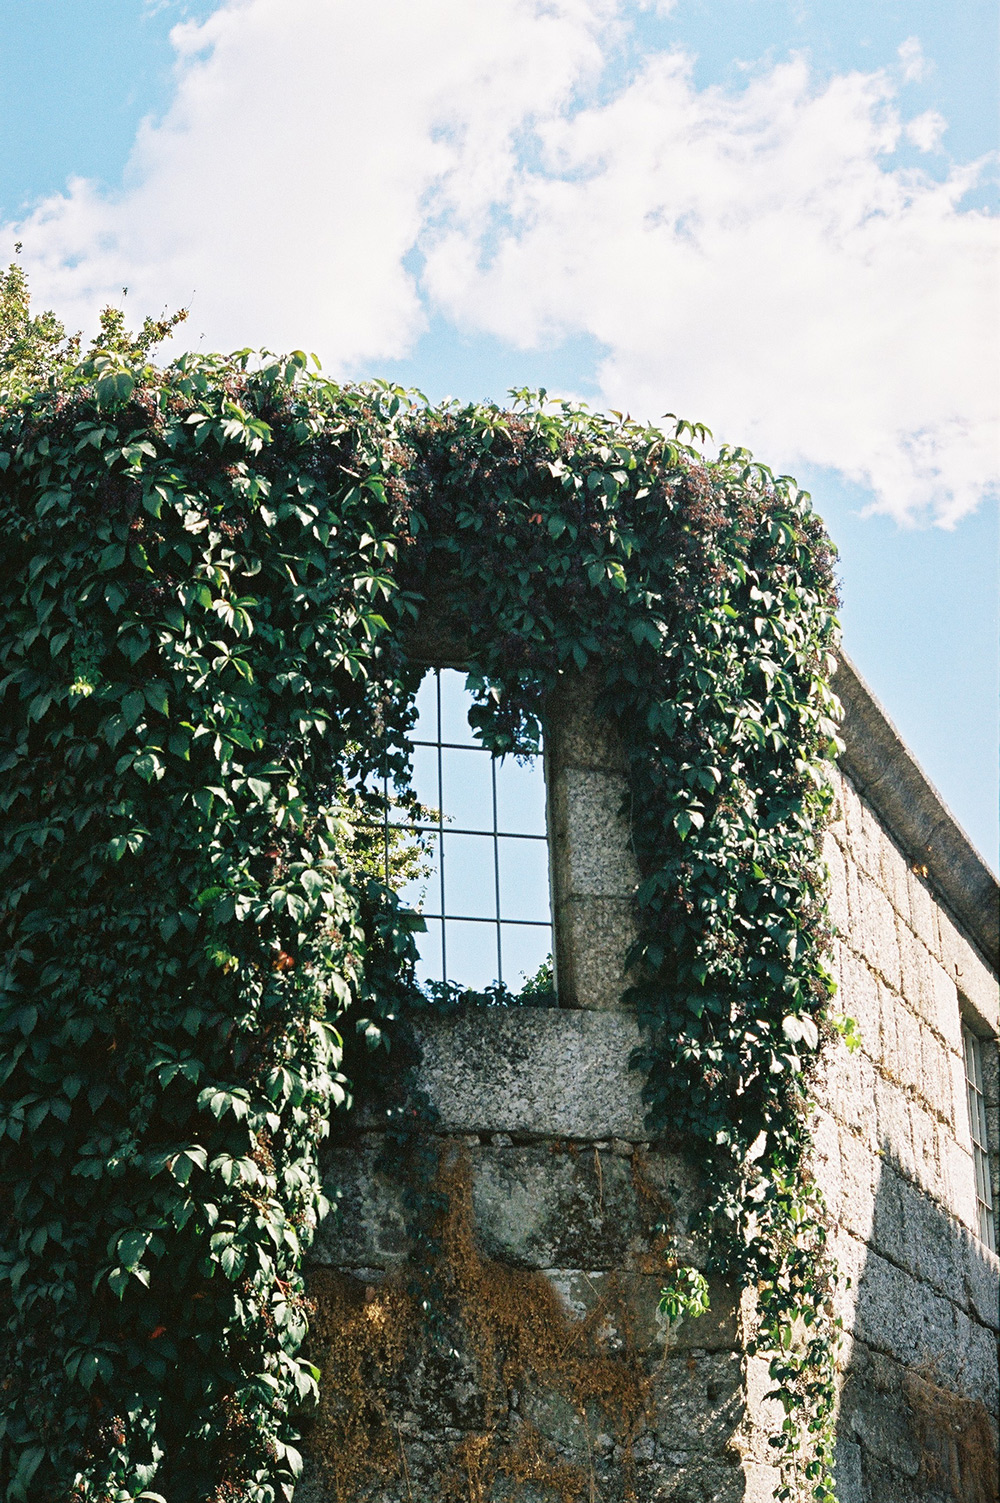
980	1142
484	891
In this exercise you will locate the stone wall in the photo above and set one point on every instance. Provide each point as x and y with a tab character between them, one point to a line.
535	1368
894	1155
550	1363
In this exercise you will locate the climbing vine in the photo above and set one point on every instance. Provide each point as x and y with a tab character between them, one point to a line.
213	574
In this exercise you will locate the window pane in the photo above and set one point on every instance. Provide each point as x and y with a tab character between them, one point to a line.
467	789
521	796
426	728
423	890
524	879
982	1179
425	776
429	949
456	703
469	877
524	949
461	874
472	954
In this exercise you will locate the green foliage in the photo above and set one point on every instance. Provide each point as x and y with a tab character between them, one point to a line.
393	851
211	570
33	347
115	339
542	984
192	598
685	1294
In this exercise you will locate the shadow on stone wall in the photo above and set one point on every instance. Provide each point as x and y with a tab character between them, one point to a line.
918	1414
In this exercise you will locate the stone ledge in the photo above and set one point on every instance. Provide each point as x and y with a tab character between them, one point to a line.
554	1072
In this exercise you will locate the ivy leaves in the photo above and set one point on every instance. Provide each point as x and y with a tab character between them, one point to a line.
180	926
703	596
203	681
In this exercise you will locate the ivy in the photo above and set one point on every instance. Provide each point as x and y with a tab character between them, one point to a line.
213	571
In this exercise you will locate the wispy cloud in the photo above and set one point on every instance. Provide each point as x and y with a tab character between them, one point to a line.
328	174
913	64
926	130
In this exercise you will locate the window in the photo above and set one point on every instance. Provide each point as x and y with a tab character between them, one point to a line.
484	891
980	1149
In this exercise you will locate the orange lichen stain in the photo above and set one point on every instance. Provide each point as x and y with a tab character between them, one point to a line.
522	1340
359	1338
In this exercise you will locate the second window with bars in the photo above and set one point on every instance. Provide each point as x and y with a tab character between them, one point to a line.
980	1144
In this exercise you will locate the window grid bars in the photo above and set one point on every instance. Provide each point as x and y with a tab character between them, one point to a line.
980	1146
496	869
439	746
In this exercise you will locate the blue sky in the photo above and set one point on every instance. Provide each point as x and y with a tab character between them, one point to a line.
776	217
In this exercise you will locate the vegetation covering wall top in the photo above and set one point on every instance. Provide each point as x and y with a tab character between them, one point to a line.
211	571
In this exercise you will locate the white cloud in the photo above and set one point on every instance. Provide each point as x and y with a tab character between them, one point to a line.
287	183
748	258
926	130
914	66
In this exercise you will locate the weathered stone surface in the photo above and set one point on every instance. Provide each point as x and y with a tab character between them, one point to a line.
888	1013
907	1064
959	1180
583	1290
859	984
892	1218
595	935
701	1399
914	960
857	1178
929	1173
974	980
895	878
900	1316
923	911
848	1469
575	735
876	929
593	841
367	1228
538	1207
862	832
874	1413
563	1194
971	1366
935	1075
881	766
550	1072
847	1084
835	863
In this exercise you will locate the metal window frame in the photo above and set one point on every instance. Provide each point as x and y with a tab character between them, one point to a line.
493	834
976	1098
